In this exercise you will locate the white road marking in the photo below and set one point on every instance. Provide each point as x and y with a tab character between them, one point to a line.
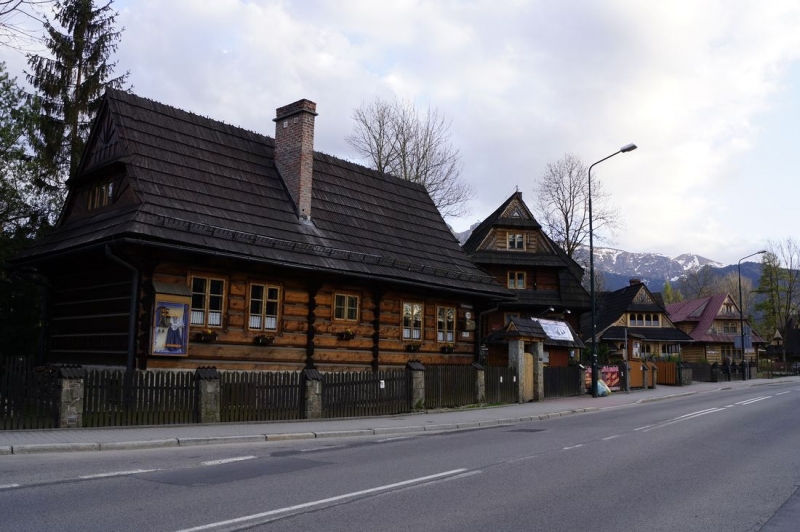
694	414
684	418
643	428
781	393
573	447
729	406
320	502
118	473
8	486
612	437
228	460
751	401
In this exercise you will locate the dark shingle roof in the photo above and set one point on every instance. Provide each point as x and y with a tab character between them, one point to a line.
212	187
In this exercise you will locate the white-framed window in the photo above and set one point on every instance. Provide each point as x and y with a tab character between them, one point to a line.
412	321
208	296
264	306
730	327
516	241
516	280
446	324
345	307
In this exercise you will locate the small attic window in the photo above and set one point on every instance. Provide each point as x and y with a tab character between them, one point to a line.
100	195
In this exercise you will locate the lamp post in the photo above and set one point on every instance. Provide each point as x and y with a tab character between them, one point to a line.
741	303
624	149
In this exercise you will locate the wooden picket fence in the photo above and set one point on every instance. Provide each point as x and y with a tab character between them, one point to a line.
114	398
365	393
448	386
501	385
29	395
260	396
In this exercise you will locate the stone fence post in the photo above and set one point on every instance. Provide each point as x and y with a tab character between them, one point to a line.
208	391
70	408
538	373
312	380
417	374
480	383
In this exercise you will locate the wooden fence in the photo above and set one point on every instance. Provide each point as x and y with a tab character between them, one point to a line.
365	393
260	396
501	385
29	396
564	381
667	373
113	398
449	386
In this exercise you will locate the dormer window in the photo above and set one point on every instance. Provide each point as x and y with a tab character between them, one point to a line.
100	195
516	241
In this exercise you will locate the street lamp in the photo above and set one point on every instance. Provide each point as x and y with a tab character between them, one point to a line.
624	149
741	303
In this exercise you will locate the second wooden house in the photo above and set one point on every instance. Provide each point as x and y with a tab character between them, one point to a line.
511	245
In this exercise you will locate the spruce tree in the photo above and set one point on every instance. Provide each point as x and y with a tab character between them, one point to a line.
70	85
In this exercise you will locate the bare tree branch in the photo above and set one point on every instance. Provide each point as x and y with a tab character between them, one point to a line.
562	199
396	139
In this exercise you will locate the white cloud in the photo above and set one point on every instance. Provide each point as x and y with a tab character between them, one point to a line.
697	85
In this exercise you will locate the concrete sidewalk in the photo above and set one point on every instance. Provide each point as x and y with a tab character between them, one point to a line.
117	438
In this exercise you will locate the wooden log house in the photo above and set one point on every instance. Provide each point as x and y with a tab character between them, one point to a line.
511	245
187	242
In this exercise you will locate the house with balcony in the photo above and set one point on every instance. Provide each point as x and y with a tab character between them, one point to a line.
632	323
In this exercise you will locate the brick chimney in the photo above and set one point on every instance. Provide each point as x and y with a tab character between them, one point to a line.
634	281
294	151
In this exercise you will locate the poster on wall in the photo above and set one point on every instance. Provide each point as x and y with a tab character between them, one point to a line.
170	328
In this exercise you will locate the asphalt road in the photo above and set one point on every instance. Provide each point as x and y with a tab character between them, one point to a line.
723	461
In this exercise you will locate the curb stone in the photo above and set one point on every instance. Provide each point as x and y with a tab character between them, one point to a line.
213	440
291	436
344	433
145	444
33	448
398	430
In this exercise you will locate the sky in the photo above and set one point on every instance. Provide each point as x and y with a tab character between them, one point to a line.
709	92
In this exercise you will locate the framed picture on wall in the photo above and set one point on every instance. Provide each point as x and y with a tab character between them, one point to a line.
170	326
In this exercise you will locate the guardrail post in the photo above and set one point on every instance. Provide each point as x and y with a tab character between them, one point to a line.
312	380
70	408
417	373
208	392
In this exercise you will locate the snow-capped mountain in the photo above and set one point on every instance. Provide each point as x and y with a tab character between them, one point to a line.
620	266
645	265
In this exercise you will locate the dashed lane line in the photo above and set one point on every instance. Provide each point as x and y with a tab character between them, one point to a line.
117	473
228	460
